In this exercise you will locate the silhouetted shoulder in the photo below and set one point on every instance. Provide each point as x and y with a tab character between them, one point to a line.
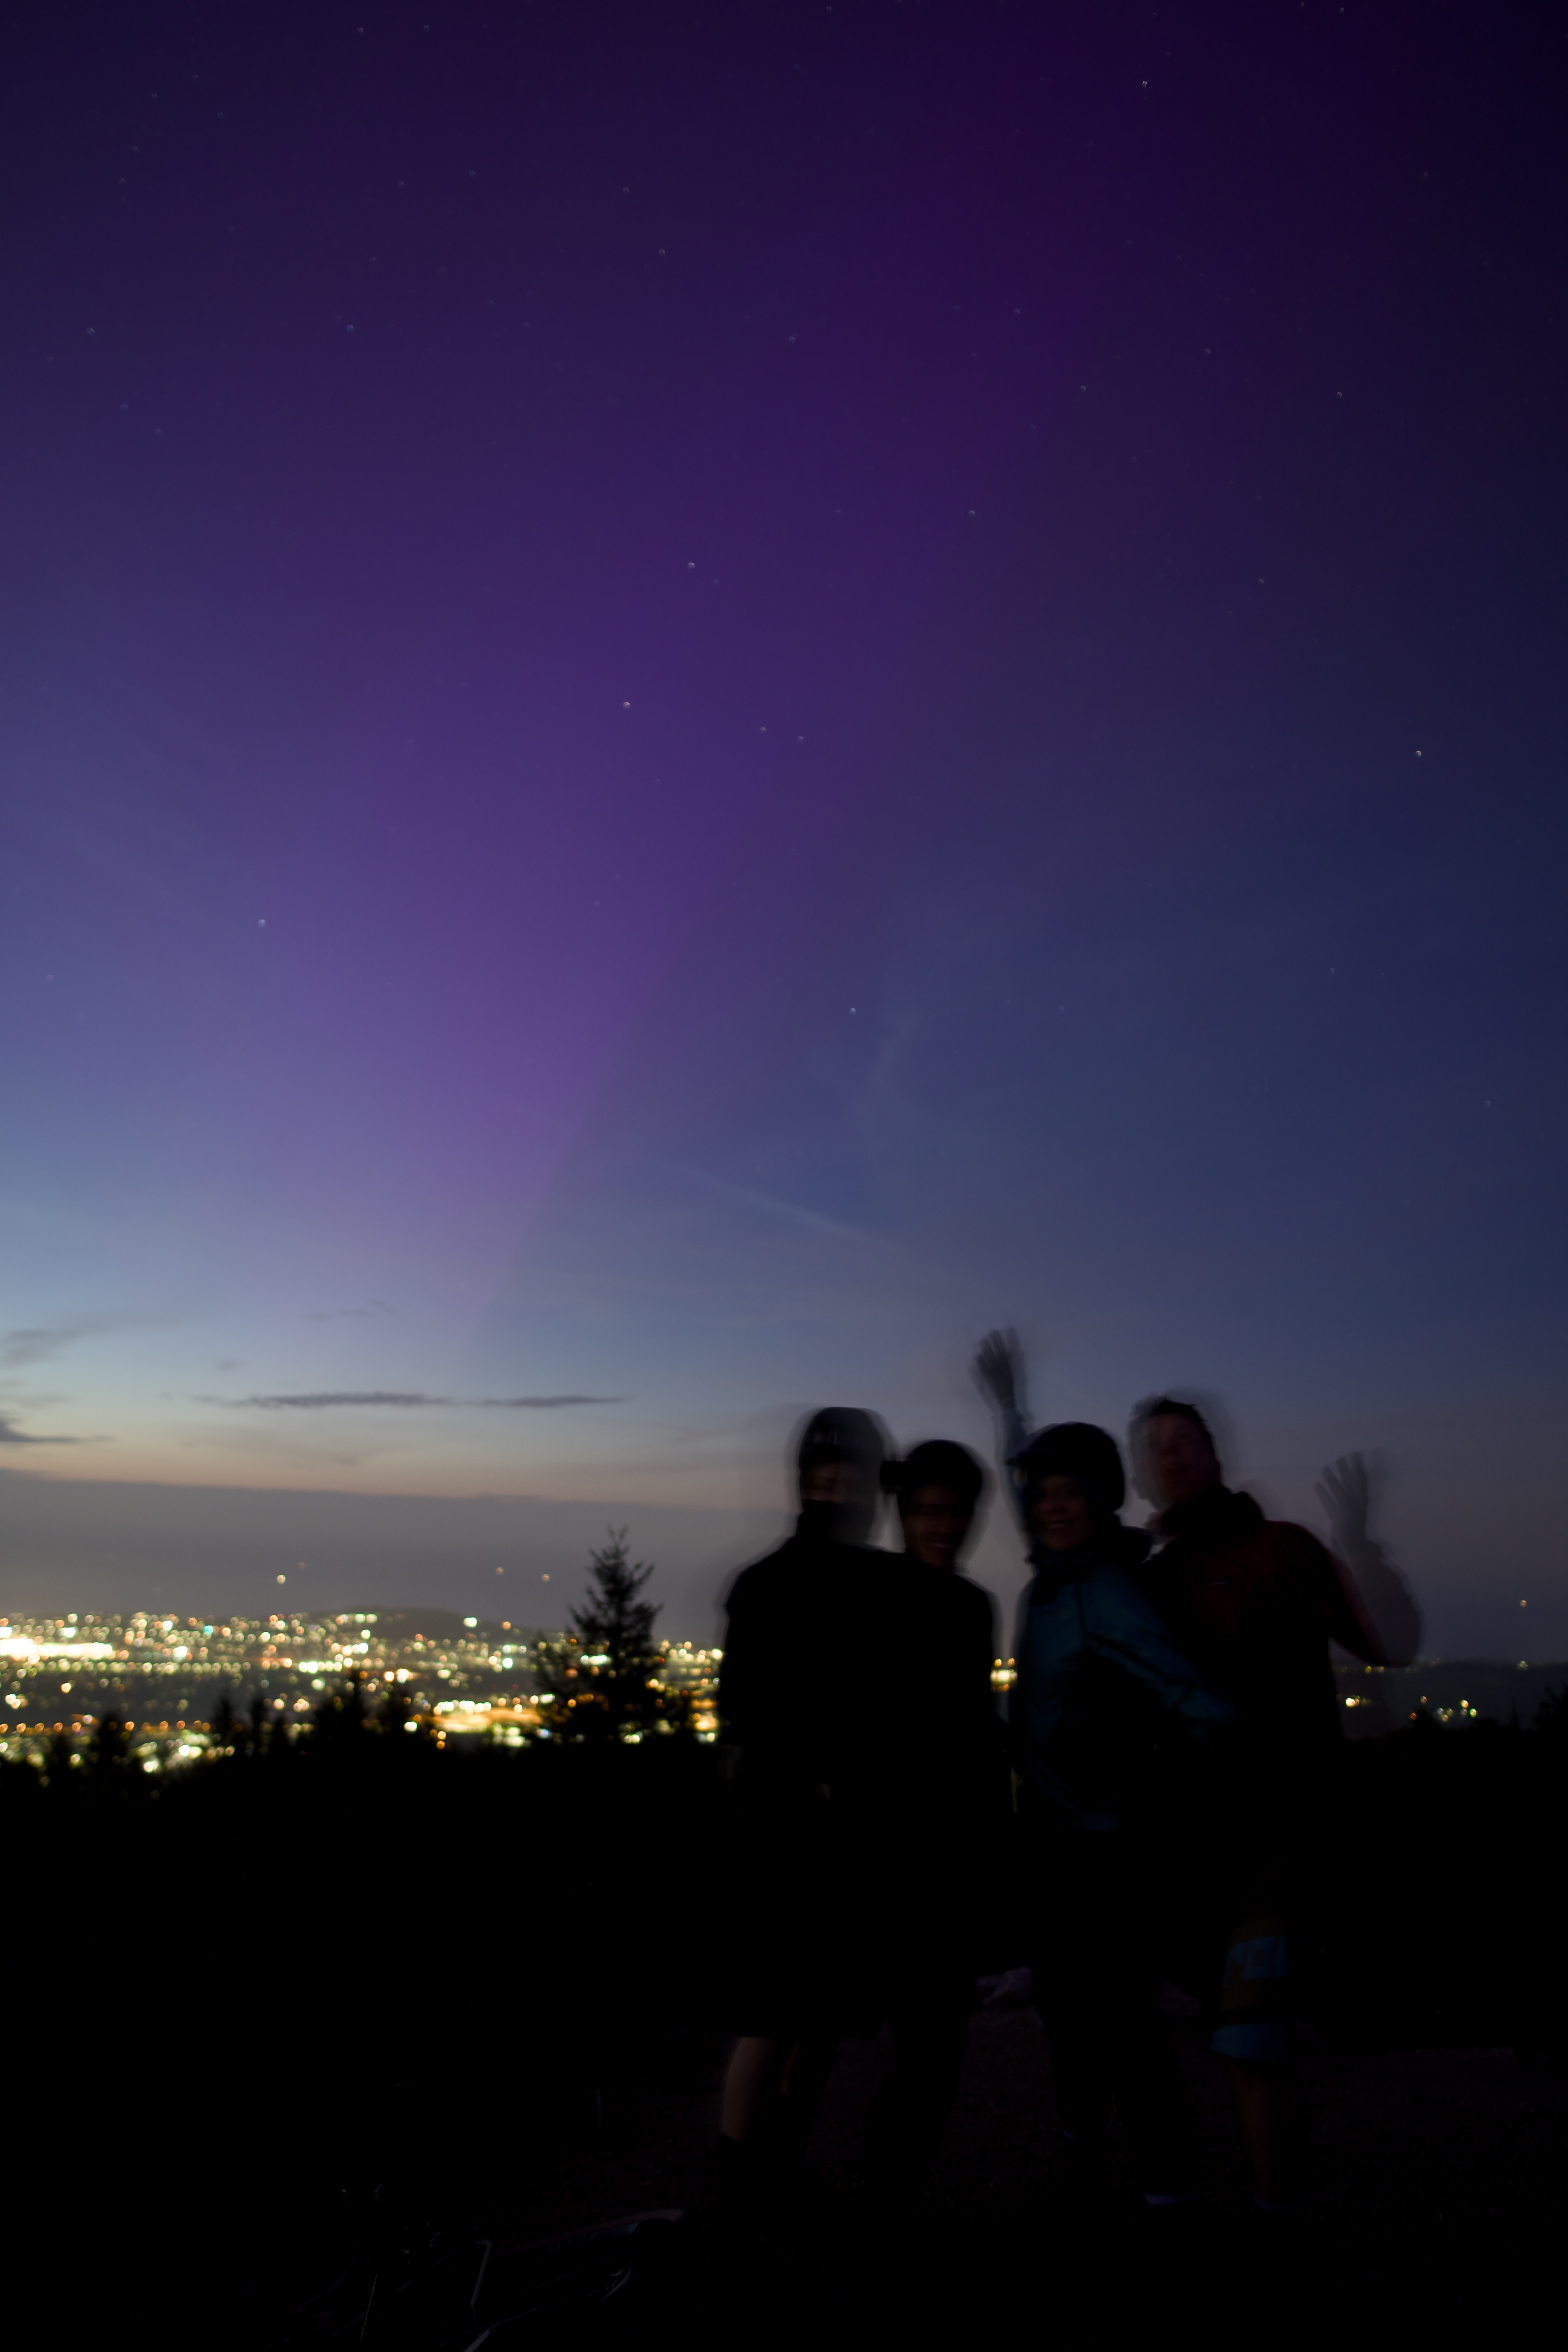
754	1583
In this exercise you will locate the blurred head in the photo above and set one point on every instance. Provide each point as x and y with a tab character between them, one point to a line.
1174	1452
839	1457
939	1487
1074	1484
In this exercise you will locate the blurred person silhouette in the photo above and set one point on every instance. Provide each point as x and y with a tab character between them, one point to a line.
1099	1678
797	1737
1256	1602
927	1815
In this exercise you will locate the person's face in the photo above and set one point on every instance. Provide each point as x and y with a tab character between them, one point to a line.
836	1485
936	1522
1179	1463
840	1500
1061	1513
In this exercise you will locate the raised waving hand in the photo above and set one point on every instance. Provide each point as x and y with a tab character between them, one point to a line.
1375	1587
999	1370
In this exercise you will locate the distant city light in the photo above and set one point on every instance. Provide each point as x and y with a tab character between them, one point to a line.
126	1663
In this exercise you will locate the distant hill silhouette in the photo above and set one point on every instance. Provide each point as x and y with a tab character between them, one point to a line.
1487	1689
444	1625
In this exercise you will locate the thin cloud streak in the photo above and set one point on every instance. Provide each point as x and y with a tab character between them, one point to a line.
402	1400
11	1435
36	1343
789	1212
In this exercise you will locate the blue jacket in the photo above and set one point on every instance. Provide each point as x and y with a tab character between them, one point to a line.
1097	1668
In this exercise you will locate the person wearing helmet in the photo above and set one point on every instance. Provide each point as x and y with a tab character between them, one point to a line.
797	1737
1099	1680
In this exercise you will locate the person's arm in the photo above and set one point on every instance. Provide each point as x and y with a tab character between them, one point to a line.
1124	1626
737	1670
1373	1611
999	1371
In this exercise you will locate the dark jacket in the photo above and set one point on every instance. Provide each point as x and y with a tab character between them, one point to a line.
863	1675
798	1645
1256	1602
939	1744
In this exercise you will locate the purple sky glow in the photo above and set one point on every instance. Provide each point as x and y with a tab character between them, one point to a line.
697	699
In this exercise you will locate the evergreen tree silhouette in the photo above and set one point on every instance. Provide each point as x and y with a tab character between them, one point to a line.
603	1689
257	1721
225	1723
676	1709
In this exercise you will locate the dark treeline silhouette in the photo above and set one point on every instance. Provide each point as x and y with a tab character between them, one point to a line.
337	1971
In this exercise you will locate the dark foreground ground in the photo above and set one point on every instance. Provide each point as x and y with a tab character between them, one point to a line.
1429	2159
1443	2187
300	2044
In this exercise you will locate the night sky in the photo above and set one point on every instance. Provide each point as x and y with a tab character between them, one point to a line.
696	698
